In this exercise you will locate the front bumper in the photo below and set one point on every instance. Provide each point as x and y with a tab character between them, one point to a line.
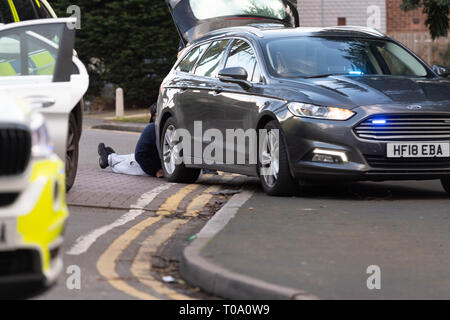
366	158
31	226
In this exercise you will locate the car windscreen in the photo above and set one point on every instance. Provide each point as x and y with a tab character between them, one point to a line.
5	12
203	9
320	56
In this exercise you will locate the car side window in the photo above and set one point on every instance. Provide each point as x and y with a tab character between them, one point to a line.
30	10
242	55
29	53
209	64
191	58
256	74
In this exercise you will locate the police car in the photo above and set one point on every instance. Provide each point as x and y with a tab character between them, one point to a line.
62	116
33	210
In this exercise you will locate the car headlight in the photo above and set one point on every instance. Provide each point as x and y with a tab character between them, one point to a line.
319	112
41	145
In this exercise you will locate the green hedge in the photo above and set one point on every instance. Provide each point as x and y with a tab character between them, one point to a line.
129	43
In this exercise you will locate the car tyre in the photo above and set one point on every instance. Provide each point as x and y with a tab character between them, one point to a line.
174	169
446	184
277	180
72	152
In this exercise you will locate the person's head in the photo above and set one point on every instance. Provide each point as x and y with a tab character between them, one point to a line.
153	109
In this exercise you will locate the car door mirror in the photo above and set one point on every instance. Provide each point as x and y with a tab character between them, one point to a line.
236	75
441	71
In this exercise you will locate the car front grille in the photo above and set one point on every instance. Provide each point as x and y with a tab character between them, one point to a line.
404	128
19	262
407	163
15	150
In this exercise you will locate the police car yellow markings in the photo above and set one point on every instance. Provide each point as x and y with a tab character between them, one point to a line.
44	224
14	11
44	63
6	69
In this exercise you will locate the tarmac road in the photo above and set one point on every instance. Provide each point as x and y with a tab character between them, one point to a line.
321	242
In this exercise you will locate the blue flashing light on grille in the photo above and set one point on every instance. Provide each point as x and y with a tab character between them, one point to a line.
356	73
379	121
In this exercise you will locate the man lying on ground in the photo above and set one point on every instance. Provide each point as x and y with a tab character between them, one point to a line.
144	161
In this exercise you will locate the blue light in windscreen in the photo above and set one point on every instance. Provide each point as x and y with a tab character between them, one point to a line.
356	73
378	122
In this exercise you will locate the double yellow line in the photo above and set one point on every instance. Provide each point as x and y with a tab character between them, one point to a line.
141	265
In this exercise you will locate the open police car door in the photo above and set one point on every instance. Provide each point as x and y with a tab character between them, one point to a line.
195	18
37	64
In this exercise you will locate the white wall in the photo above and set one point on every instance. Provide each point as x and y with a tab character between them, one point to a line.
356	12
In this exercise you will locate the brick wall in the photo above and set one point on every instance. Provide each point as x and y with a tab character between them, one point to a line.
355	12
401	21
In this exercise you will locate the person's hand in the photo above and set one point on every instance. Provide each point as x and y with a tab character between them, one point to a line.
160	174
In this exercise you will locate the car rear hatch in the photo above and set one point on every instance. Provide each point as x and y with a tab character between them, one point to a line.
195	18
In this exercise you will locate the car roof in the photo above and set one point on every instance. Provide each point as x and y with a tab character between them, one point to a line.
274	31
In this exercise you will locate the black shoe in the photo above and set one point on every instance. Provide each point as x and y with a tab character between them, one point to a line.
110	150
103	153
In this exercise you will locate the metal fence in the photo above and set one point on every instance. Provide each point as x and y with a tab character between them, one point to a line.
433	52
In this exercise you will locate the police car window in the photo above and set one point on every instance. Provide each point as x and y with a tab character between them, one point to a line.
189	61
5	12
42	10
242	55
25	9
27	52
209	64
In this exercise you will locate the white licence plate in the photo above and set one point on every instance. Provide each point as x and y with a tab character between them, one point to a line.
418	150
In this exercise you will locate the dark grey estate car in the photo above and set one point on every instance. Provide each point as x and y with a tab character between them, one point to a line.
349	102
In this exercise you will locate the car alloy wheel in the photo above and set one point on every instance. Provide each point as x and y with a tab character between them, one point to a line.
270	158
274	170
172	156
171	150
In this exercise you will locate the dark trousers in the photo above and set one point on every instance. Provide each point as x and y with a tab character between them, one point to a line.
146	152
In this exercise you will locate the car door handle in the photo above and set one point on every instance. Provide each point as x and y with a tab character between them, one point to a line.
42	101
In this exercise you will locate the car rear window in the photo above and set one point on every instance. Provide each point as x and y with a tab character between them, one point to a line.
203	9
314	56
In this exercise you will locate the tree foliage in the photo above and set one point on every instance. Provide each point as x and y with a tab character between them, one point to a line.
129	43
437	12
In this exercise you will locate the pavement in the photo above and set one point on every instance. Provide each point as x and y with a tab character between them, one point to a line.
222	237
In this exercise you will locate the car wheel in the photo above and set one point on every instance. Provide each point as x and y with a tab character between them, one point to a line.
171	148
274	170
446	184
72	151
